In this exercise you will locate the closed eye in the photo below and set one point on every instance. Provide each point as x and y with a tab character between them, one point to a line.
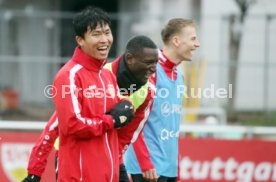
151	62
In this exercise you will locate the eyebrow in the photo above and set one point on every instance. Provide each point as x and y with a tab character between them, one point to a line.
101	30
149	61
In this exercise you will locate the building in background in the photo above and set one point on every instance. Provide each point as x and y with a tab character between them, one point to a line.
37	37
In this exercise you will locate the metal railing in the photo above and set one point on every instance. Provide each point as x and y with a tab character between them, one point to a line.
247	131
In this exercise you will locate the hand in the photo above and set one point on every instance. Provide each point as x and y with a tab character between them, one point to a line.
150	175
122	113
31	178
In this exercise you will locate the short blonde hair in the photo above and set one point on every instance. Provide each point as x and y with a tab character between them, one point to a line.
174	26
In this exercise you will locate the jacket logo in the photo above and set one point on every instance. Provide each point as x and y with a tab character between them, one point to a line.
167	109
92	91
123	119
97	92
167	134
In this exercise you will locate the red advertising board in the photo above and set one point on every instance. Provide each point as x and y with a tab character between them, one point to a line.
15	148
227	160
200	159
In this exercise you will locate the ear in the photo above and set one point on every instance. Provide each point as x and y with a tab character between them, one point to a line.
79	40
175	40
129	58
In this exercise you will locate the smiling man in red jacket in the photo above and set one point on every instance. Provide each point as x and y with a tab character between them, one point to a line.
85	93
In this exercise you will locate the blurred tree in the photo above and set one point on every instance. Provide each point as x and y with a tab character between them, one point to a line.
236	24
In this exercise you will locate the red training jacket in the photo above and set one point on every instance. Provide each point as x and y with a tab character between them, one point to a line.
88	142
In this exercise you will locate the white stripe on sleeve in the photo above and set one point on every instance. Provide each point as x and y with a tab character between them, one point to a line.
142	123
73	72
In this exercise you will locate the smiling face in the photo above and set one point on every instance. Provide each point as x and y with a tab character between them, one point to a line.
97	42
142	66
186	42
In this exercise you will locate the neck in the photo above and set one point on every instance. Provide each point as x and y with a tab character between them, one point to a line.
170	53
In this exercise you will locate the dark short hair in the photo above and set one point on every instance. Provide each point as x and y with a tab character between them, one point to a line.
90	17
174	26
136	44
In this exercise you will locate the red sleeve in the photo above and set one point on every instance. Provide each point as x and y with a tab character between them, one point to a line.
69	110
43	147
152	79
137	138
142	153
129	133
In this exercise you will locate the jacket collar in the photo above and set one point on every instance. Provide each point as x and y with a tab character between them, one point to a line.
165	61
87	61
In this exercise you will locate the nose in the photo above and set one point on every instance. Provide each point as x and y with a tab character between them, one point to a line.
103	38
197	44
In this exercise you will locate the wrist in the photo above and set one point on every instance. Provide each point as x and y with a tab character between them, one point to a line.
110	120
147	166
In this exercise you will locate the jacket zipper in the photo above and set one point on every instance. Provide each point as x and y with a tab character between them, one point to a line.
106	136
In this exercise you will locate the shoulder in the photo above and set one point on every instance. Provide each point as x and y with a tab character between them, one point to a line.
107	70
108	66
69	70
113	66
107	73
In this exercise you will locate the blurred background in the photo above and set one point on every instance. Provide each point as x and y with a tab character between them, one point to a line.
236	57
236	39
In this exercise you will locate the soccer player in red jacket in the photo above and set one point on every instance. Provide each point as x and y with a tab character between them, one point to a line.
87	105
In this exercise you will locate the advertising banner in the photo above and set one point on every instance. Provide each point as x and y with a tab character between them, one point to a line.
227	160
15	148
200	159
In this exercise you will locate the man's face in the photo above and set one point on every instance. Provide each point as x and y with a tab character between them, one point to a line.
144	65
187	43
97	43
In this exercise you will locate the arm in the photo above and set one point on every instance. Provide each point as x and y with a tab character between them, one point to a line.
129	133
68	103
43	147
144	160
140	148
132	132
142	153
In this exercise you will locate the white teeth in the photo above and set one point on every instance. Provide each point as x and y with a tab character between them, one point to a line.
103	47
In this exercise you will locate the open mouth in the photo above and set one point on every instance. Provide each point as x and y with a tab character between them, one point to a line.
103	49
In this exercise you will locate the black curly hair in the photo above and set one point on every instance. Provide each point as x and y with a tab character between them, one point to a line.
89	18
